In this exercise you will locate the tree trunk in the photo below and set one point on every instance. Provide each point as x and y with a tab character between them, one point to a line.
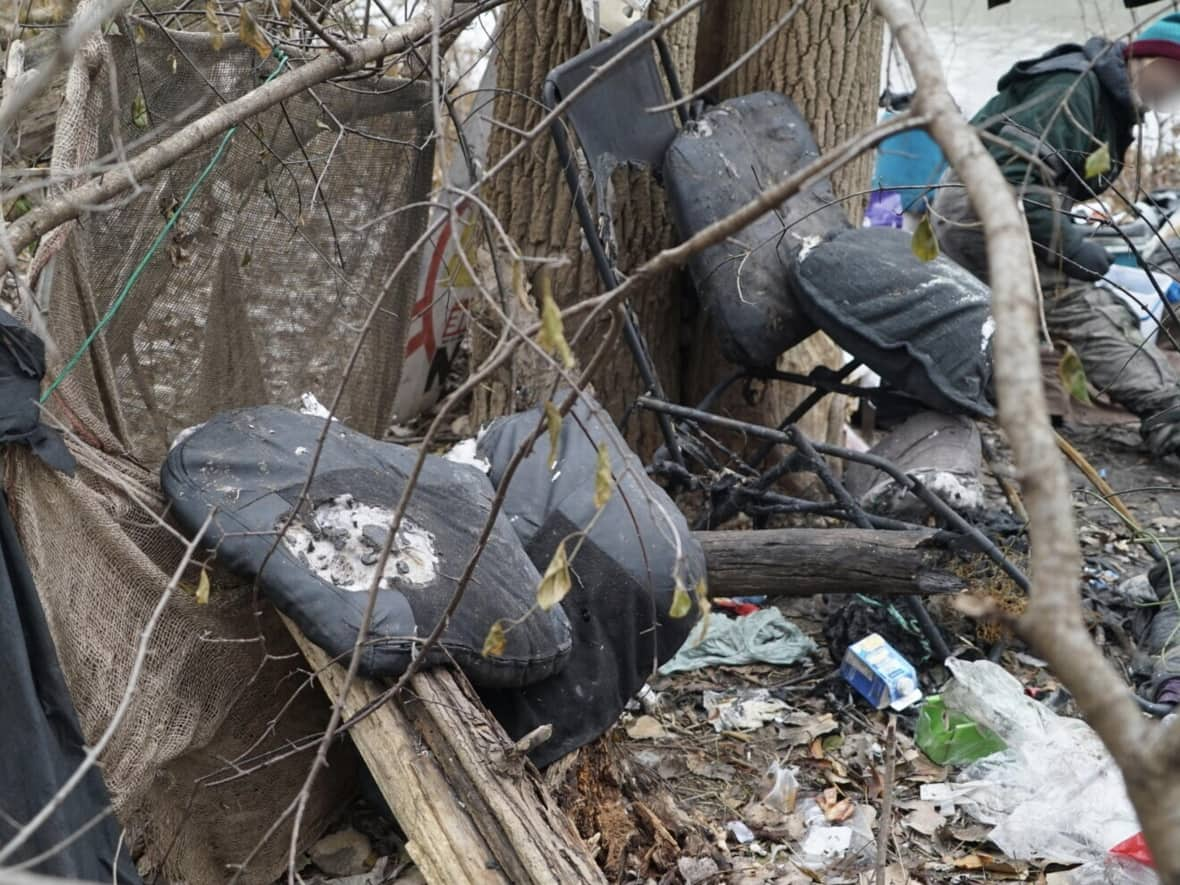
532	200
828	61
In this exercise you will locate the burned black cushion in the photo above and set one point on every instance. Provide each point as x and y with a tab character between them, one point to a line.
715	166
623	575
251	465
924	326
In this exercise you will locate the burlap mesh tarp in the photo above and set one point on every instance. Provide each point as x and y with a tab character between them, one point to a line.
256	296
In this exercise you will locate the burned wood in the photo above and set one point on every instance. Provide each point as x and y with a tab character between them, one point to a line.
466	819
807	562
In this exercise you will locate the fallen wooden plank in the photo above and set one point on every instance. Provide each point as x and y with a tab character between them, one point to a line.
807	562
472	807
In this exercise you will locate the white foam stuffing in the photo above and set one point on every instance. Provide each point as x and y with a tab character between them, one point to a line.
464	452
989	329
183	435
313	407
809	243
343	544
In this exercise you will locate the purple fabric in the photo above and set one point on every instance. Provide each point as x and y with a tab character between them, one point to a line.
884	209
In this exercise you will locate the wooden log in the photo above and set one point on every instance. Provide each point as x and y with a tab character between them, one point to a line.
807	562
472	807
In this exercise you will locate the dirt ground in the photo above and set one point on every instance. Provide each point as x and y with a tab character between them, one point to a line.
666	797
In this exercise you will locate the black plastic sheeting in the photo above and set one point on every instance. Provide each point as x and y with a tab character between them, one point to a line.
22	366
42	741
251	465
717	164
924	327
624	573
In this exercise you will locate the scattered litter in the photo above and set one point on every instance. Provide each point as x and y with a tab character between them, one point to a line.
1111	870
742	834
941	796
1055	794
845	845
342	541
765	636
463	452
312	406
743	710
646	728
1135	848
925	818
989	864
782	788
949	738
880	674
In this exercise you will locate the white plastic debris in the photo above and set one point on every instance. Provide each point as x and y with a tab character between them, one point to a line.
740	832
845	846
743	710
782	788
1055	794
342	542
464	452
613	15
942	796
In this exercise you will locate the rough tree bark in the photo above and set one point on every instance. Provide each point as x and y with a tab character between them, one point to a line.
827	59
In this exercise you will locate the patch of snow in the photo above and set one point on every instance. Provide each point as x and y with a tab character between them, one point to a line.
184	434
989	329
313	407
464	452
343	542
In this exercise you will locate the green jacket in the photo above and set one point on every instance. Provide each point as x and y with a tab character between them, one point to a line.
1061	108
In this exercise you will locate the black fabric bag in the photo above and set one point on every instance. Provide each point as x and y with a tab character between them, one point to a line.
623	575
22	366
717	164
924	326
251	465
42	741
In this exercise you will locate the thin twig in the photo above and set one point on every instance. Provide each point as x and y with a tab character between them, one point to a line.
885	824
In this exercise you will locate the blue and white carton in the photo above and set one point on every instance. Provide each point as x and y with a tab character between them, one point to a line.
882	676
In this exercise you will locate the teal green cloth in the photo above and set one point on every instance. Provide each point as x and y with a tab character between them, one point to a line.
764	637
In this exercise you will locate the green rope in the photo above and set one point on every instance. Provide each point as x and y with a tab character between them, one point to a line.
156	243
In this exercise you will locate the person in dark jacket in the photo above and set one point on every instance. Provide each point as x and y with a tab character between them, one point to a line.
1059	128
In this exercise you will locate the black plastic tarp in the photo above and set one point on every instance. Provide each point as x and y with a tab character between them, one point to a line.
624	573
42	741
251	465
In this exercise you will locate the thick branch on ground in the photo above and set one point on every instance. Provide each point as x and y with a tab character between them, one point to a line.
472	809
1053	624
159	157
807	562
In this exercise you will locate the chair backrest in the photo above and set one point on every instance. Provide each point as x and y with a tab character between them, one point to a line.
612	118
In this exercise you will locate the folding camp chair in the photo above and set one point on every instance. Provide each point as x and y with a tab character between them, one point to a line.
610	114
